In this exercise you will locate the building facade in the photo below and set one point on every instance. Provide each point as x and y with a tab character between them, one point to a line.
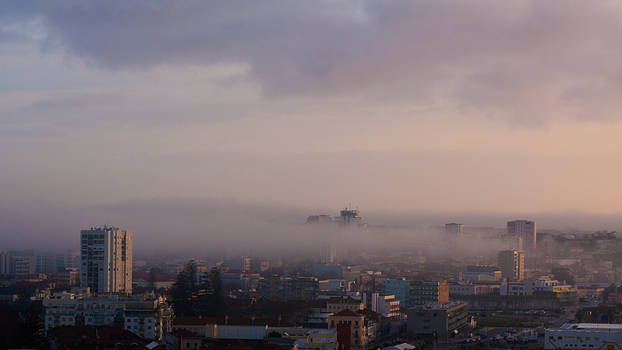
425	292
106	260
148	318
440	319
525	231
512	264
289	288
584	336
351	329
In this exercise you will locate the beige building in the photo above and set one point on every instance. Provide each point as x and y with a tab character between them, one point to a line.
351	329
106	260
337	304
150	318
512	264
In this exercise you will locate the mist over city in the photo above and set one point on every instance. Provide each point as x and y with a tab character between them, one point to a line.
310	175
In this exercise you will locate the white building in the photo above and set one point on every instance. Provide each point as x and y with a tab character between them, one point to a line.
584	336
106	260
148	318
525	231
386	305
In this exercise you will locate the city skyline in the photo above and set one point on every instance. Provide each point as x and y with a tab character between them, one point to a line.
310	175
421	122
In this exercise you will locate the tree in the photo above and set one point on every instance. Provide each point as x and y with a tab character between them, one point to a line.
217	304
184	288
30	330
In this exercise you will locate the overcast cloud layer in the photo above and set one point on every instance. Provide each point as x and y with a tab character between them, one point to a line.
509	106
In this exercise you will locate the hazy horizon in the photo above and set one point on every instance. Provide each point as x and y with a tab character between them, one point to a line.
160	117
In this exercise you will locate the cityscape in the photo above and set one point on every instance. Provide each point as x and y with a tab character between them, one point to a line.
546	290
310	175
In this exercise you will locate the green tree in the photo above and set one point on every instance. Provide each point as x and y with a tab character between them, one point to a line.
30	330
218	306
183	290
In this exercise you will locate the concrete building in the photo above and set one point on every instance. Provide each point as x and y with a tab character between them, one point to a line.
397	287
326	271
351	329
525	231
386	305
468	288
425	292
582	336
308	338
148	318
349	216
442	319
454	229
335	285
512	264
289	288
22	263
106	260
482	273
516	288
337	304
412	293
5	262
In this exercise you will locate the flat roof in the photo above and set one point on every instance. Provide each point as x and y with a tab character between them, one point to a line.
612	326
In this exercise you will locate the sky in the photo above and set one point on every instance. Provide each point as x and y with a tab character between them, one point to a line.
392	106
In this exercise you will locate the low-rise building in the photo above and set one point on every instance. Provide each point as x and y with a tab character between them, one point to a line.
228	327
337	304
307	338
150	318
584	336
466	288
351	329
289	288
482	273
438	319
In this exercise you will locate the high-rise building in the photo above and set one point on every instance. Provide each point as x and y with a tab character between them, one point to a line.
5	263
349	217
525	231
512	264
454	229
106	260
23	263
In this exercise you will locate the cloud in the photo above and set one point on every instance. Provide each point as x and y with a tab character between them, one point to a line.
517	60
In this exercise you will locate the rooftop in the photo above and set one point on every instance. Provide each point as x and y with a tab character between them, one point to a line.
593	326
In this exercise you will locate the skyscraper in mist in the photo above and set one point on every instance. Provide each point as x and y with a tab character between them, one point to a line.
525	231
454	229
106	260
512	264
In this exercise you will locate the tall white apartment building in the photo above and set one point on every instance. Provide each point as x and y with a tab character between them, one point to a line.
525	231
106	260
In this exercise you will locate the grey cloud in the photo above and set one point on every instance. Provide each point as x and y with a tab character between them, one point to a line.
512	60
